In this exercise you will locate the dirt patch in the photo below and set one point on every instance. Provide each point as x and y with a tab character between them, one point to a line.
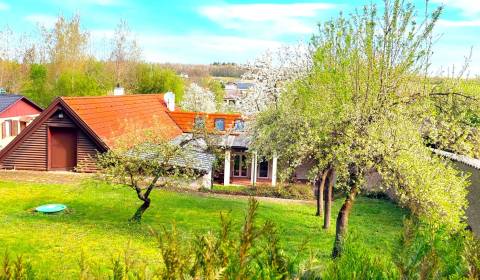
44	177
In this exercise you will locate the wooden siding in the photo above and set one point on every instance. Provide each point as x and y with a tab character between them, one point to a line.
86	153
32	153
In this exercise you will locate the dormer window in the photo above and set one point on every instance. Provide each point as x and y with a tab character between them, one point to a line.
220	124
199	122
239	125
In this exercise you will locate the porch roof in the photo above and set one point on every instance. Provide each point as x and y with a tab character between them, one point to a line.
235	141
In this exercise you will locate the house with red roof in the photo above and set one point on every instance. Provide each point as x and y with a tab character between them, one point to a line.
16	112
72	130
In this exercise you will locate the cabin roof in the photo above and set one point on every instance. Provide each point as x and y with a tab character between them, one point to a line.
112	116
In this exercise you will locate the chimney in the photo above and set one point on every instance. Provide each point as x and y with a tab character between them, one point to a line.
169	99
118	90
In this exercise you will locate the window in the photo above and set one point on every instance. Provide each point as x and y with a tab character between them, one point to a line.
240	165
220	124
263	168
15	127
199	122
8	128
239	125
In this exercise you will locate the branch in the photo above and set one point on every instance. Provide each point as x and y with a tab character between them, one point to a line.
150	187
453	93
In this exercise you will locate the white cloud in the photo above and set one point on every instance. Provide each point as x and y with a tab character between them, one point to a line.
273	19
199	48
459	23
468	7
44	20
4	6
189	48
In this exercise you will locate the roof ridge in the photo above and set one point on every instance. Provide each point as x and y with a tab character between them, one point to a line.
110	96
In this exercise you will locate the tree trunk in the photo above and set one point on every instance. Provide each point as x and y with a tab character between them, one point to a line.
137	217
145	197
328	198
342	222
320	190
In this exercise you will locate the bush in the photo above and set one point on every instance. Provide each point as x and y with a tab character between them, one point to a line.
16	269
471	256
357	262
426	252
287	191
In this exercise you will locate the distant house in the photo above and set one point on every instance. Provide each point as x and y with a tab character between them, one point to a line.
16	112
235	90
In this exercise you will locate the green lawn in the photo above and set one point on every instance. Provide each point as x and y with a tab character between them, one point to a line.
97	223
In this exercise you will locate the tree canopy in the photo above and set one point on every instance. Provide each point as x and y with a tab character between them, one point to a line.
362	108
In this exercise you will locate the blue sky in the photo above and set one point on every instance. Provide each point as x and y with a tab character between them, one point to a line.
188	31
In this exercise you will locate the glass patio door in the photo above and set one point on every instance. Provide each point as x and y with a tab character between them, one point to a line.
240	165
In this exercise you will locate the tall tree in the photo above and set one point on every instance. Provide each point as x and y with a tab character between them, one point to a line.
363	105
271	73
124	55
151	78
66	44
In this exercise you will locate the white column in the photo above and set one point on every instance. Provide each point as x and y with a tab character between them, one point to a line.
253	171
207	180
226	172
274	169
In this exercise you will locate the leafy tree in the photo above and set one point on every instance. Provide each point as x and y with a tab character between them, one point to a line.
143	159
37	87
124	55
79	83
152	78
217	88
455	122
65	44
361	109
271	73
143	167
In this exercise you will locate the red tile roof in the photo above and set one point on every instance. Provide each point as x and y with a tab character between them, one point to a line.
112	116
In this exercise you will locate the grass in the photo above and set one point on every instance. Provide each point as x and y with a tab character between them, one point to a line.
96	223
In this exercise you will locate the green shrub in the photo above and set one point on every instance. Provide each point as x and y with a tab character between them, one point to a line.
426	252
16	269
471	256
287	191
357	262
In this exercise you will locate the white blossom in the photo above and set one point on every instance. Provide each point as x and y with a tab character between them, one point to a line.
198	99
270	73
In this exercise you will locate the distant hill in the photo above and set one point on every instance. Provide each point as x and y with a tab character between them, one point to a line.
196	71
